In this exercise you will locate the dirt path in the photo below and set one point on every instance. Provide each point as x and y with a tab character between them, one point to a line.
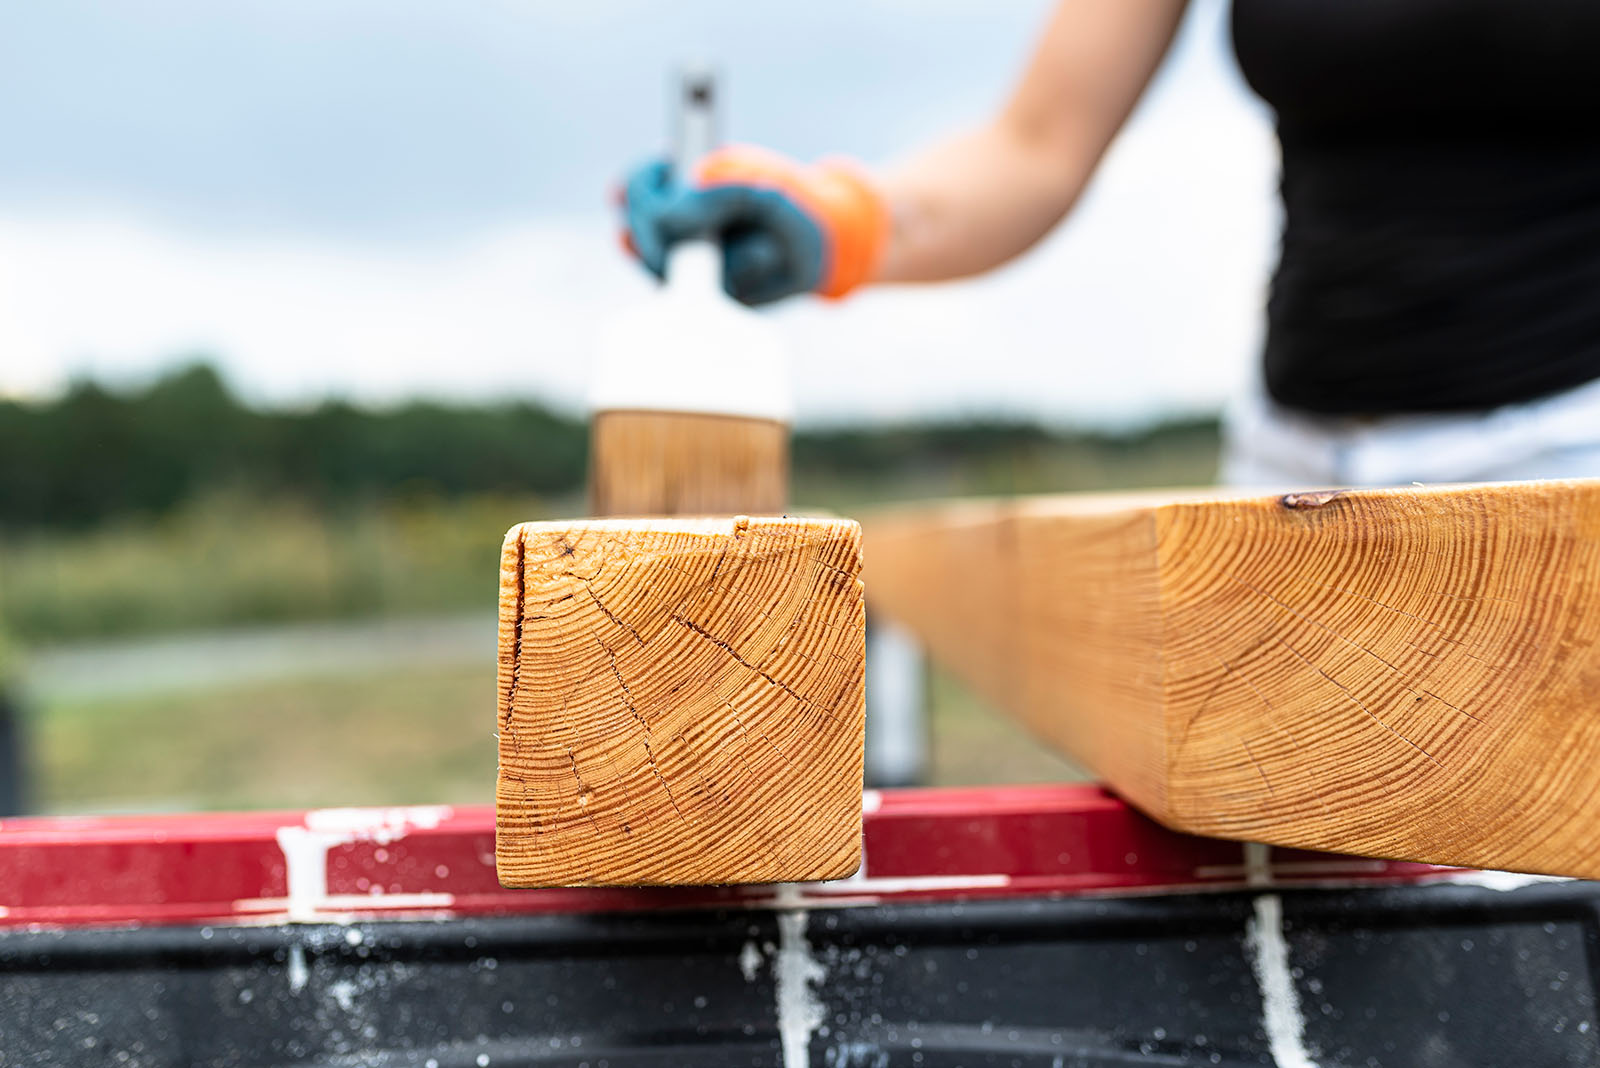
213	659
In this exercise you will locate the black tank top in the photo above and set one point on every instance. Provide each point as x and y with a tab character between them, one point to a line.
1441	193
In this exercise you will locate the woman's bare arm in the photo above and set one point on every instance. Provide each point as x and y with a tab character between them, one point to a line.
978	199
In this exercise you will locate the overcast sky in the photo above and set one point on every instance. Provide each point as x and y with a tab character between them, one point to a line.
378	199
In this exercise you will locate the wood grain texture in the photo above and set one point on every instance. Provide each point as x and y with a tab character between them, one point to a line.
682	463
1409	673
681	702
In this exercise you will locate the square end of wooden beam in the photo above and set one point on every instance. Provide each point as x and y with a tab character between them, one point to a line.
681	702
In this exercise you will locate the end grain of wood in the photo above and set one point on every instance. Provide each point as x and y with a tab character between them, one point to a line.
681	702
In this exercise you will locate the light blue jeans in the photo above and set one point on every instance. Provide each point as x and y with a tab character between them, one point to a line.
1270	447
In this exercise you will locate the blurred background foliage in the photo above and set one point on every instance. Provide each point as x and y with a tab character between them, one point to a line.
203	595
176	506
96	454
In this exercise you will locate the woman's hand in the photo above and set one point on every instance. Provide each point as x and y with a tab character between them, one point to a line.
784	227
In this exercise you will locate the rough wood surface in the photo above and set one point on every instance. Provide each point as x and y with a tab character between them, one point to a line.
680	463
1409	673
681	702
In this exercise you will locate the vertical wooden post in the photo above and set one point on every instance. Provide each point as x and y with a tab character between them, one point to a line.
687	463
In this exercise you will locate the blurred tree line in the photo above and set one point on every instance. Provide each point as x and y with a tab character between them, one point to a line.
97	453
175	506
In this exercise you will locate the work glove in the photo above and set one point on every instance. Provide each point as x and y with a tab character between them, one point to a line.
784	227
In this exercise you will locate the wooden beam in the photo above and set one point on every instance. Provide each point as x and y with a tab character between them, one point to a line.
1407	673
681	702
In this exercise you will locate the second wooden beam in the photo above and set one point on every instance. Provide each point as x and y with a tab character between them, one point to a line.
1409	673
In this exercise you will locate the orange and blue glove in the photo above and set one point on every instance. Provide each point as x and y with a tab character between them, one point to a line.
784	227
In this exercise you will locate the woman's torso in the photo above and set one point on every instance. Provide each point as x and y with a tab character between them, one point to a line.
1441	187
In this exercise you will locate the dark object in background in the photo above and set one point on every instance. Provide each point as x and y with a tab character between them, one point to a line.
13	762
898	732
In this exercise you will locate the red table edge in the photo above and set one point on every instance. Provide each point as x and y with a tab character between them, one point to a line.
432	861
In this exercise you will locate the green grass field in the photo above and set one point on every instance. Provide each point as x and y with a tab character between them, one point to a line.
411	737
229	561
412	734
401	737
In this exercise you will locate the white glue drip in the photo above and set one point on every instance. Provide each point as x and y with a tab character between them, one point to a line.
305	849
1503	881
800	1011
298	973
305	856
1280	1004
305	860
1268	950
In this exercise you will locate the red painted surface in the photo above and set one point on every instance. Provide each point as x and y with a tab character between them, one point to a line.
423	862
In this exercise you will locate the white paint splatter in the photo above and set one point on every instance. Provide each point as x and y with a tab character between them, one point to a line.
1501	880
750	959
298	972
344	992
381	825
800	1010
376	899
1280	1004
908	884
305	848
